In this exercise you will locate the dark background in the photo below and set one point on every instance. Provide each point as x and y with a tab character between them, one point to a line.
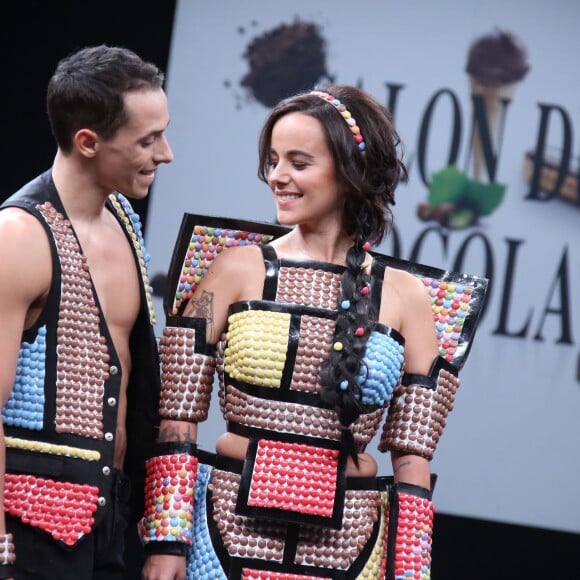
34	36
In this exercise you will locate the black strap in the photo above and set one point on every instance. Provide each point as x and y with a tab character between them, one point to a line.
272	266
166	548
377	276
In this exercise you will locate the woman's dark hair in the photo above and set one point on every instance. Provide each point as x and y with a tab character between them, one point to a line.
87	90
369	179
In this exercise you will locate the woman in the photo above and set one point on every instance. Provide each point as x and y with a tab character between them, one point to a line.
313	332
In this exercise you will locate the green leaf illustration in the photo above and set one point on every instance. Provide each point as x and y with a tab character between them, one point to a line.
447	186
452	186
486	196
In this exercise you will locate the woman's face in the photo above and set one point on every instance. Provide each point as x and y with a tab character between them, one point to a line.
302	173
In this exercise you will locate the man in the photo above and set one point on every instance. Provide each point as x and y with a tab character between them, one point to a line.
79	377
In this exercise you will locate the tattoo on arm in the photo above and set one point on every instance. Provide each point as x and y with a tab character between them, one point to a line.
401	465
170	433
202	307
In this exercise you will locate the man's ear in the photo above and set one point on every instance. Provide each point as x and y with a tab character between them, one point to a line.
87	142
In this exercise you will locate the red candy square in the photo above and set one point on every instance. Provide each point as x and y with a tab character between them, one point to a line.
295	477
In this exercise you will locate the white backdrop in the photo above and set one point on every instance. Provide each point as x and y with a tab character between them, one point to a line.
510	450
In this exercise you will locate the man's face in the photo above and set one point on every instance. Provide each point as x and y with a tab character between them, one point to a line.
127	162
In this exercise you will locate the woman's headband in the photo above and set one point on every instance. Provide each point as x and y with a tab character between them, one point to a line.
346	115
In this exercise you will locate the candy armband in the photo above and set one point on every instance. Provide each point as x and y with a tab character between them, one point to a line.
418	411
410	532
187	370
169	494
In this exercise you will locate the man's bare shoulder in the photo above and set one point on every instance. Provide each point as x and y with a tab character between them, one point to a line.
25	259
21	232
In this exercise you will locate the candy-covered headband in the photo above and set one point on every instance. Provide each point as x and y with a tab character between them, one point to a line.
346	115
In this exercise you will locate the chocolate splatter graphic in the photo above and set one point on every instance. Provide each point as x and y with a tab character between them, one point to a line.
284	60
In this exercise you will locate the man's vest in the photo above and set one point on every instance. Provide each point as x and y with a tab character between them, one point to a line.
60	420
